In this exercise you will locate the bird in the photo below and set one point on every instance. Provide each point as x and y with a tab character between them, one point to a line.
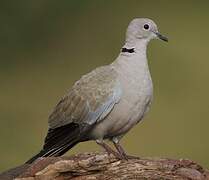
108	101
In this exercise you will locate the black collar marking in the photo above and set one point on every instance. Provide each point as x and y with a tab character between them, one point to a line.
128	50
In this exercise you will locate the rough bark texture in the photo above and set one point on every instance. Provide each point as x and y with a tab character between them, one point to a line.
101	166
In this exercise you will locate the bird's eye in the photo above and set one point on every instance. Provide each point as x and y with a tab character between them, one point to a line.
146	26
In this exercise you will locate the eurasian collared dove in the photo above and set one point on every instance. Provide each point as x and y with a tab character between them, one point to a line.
107	102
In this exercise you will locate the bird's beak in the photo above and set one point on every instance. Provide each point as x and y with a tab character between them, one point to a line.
160	36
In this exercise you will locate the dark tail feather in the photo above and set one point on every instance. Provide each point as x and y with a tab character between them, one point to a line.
40	154
58	141
49	153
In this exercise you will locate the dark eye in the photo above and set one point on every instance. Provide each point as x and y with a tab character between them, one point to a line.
146	26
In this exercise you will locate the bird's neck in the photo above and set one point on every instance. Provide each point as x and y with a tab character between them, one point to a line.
132	67
133	55
137	44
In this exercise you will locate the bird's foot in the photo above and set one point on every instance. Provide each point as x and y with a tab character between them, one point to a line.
132	157
109	150
122	152
126	157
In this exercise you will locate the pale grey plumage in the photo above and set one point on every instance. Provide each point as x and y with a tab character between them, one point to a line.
107	102
89	100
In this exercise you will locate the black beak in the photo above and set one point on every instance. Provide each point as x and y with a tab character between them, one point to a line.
160	36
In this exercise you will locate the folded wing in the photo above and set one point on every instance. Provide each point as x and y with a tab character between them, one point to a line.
90	100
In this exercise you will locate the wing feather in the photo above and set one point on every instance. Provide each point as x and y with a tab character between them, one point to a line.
89	100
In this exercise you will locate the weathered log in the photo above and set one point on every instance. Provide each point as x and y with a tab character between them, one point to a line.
101	166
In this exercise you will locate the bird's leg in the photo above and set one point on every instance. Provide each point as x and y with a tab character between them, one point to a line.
108	149
121	150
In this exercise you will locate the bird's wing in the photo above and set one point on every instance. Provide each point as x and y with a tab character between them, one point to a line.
89	100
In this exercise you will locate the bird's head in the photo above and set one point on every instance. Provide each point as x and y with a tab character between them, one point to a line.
144	29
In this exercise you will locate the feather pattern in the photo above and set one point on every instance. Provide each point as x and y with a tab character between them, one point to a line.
90	99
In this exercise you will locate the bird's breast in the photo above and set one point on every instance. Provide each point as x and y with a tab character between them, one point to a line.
134	103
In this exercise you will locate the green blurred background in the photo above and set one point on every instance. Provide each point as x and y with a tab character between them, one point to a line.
46	45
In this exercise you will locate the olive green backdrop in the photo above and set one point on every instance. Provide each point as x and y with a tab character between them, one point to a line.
46	45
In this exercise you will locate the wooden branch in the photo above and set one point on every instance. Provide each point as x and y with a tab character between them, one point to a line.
101	166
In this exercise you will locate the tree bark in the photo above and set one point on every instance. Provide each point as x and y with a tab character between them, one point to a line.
101	166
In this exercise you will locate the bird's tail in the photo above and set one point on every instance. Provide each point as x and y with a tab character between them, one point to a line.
51	153
40	154
58	141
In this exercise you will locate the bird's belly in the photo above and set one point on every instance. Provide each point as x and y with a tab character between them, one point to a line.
122	118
